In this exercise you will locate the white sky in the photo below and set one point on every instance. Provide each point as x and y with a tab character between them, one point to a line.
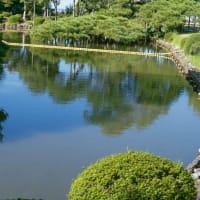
64	3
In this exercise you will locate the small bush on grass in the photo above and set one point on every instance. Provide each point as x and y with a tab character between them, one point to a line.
170	36
38	20
195	48
4	16
133	176
14	19
195	38
183	41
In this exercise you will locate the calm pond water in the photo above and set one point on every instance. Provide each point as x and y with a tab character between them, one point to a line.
68	109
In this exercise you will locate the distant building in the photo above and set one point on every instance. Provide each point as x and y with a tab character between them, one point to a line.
141	1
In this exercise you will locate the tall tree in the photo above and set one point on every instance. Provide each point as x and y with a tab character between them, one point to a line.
46	5
11	6
56	3
155	17
25	10
74	4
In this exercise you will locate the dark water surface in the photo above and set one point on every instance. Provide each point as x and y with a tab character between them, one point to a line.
60	111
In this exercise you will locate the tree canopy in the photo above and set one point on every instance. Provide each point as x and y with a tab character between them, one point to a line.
110	21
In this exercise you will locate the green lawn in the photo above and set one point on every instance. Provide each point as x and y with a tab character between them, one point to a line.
180	41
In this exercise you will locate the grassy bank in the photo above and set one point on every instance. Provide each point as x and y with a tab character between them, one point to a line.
189	43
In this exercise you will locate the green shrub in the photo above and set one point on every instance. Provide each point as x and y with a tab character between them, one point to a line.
38	20
195	38
3	16
183	41
133	176
14	19
170	36
195	48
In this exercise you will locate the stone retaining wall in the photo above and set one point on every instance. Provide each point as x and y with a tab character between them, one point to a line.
194	169
15	27
191	73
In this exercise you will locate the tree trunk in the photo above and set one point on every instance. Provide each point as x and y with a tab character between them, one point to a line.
56	10
74	2
33	12
189	20
24	13
55	2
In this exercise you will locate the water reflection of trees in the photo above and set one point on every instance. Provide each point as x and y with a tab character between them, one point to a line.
3	114
130	99
21	37
3	49
1	72
121	90
194	100
3	117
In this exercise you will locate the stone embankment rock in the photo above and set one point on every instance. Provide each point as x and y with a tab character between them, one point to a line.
177	55
191	73
194	169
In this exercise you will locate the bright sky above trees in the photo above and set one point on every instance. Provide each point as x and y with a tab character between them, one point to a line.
64	3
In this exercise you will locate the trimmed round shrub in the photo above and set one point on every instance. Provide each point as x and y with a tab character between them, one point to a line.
14	19
133	176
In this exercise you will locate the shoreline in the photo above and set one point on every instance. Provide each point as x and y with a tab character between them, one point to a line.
191	72
194	169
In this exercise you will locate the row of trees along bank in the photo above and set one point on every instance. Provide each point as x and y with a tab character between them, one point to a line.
117	21
28	9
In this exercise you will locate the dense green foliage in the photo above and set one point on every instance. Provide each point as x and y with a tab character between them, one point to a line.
195	48
3	16
14	19
38	20
192	45
11	6
163	16
89	29
30	8
133	176
110	21
117	21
